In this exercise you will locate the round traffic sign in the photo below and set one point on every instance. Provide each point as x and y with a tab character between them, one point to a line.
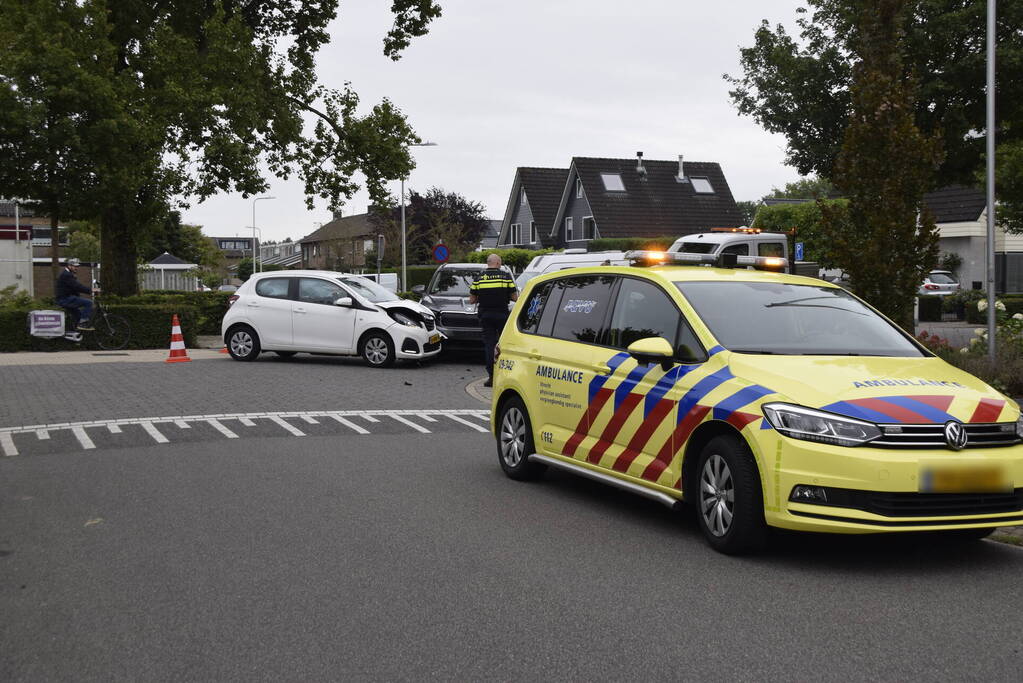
440	253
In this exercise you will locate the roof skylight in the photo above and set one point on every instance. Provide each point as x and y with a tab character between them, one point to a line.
612	182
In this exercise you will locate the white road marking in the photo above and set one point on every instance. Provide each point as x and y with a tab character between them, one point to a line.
462	416
351	425
468	424
153	432
284	425
410	423
221	428
82	437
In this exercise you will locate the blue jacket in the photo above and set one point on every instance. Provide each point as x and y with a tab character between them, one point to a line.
68	285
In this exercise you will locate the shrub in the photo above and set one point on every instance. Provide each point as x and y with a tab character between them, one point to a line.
210	306
150	327
417	275
977	313
630	243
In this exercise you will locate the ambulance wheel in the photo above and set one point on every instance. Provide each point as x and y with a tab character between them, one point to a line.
729	499
515	442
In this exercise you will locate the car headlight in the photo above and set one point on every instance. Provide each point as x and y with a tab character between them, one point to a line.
1019	425
807	424
402	318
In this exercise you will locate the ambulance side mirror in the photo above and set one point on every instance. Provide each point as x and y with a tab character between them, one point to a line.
653	350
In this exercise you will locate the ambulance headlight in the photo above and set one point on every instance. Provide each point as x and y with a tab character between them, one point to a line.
1019	426
808	424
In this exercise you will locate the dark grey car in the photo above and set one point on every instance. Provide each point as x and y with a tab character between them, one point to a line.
447	296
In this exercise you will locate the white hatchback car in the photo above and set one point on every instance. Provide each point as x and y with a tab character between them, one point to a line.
323	312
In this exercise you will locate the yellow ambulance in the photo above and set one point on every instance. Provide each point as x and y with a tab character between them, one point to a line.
763	399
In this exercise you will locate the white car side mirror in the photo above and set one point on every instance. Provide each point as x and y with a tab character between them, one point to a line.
345	301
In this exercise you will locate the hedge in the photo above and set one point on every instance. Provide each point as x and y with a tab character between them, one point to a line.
211	306
1013	305
150	328
629	243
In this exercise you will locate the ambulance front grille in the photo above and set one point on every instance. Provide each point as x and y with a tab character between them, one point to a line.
933	435
927	504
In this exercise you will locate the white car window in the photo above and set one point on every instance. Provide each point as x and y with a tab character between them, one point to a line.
368	289
273	288
315	291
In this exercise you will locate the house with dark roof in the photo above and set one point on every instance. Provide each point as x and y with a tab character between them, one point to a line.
341	244
488	240
625	198
533	202
167	271
961	215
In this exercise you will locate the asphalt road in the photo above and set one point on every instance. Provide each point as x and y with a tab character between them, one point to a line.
400	555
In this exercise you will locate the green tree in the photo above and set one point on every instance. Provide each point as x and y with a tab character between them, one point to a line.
804	188
885	239
431	218
200	93
804	223
748	210
245	268
55	105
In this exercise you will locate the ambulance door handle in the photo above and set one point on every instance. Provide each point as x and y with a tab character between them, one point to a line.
601	369
534	355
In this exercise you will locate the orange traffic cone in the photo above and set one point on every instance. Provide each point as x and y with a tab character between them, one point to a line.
223	349
178	352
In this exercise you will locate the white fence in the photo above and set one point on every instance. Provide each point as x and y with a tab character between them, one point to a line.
161	278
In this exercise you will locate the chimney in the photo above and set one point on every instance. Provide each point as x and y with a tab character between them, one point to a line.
639	165
681	177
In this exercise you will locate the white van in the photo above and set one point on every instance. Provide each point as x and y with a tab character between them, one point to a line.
570	258
738	241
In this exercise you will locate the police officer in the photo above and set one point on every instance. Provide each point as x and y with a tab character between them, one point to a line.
492	290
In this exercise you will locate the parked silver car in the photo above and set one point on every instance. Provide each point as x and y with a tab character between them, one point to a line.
939	283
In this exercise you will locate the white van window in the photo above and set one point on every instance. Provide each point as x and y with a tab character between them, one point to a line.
771	249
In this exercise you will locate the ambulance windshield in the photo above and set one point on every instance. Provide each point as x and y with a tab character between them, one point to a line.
777	318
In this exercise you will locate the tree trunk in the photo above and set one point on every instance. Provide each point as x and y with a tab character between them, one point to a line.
119	249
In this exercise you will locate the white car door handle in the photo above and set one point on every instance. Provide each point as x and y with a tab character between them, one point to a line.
253	304
298	309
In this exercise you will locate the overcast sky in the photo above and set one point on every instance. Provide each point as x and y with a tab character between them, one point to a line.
498	85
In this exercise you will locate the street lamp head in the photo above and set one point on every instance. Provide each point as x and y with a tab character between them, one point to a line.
423	144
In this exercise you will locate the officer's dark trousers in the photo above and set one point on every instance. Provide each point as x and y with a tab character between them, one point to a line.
493	323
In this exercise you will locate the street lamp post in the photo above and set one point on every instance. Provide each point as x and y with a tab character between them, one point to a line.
404	262
254	260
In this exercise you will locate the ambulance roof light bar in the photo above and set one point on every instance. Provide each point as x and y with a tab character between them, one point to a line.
668	258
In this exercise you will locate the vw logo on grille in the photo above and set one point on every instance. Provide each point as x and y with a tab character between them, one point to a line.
955	435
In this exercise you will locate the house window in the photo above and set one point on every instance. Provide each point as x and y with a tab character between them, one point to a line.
568	228
612	182
702	185
316	250
533	239
522	196
239	245
515	233
589	228
578	188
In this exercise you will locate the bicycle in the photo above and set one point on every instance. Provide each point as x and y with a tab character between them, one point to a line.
112	331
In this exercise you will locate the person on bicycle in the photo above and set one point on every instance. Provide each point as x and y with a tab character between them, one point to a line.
67	291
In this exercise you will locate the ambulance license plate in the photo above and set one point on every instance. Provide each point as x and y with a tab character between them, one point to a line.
976	479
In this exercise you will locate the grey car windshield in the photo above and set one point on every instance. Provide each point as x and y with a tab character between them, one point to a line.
776	318
368	289
451	282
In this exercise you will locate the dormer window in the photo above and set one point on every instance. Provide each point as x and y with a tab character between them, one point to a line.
578	188
522	197
702	185
612	182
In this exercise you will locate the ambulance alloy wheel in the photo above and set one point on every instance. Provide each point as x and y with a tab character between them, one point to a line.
729	499
243	343
515	442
